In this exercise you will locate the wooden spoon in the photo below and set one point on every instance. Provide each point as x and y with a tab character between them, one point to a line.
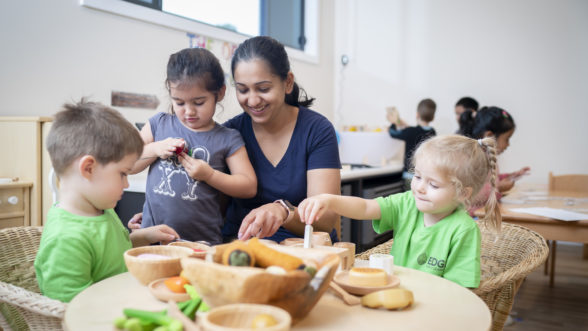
341	293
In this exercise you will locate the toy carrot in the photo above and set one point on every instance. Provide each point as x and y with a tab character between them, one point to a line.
266	256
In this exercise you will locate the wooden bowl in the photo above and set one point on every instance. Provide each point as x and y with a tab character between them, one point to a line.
147	270
161	292
240	316
296	291
194	245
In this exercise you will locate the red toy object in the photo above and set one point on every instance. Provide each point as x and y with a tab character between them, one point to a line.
179	150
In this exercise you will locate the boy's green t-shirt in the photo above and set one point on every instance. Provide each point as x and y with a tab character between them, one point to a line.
77	251
450	248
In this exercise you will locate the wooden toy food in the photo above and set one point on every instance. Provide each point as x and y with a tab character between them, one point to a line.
396	298
267	256
263	321
367	277
238	254
176	284
293	289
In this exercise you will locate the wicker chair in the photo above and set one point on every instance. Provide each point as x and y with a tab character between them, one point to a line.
506	259
380	249
22	307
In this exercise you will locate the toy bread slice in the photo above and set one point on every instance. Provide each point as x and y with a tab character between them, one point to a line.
367	277
395	298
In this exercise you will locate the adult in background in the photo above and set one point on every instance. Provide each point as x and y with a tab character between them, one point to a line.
293	149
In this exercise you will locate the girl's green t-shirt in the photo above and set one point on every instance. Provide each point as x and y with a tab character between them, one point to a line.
450	248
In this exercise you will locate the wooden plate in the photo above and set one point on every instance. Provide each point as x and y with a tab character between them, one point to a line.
161	292
342	279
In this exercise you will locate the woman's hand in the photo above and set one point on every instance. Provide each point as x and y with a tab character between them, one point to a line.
196	168
167	147
263	221
311	209
135	221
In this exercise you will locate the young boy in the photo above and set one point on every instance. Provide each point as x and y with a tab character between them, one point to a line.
413	135
92	149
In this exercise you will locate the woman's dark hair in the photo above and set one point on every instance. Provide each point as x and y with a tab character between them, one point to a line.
493	119
192	65
274	54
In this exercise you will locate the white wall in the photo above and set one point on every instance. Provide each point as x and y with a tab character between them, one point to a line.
527	56
58	51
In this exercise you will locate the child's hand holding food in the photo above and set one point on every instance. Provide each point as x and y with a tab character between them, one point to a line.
167	147
312	208
196	168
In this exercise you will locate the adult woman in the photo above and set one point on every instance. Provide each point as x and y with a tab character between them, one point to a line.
292	149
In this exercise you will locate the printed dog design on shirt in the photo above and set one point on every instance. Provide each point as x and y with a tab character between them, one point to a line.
171	166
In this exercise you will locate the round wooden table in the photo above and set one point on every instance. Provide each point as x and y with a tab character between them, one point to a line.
439	305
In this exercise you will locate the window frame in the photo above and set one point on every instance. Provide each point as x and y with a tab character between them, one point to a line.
158	17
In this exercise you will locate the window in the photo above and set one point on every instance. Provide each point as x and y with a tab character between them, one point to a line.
283	20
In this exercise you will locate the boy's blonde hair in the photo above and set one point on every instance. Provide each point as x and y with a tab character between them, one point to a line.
467	163
90	128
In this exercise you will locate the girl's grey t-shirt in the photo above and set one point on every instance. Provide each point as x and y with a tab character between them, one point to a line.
172	197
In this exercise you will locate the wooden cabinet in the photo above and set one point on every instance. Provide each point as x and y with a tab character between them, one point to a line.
15	204
23	155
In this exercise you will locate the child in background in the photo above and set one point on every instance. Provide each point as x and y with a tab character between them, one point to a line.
463	104
413	135
432	231
92	149
185	189
497	123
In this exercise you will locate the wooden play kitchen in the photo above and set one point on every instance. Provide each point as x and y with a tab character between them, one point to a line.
238	295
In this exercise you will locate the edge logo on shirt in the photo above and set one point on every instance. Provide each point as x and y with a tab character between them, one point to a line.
431	261
422	259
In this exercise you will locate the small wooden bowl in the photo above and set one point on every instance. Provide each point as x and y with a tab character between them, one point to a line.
161	292
296	291
240	316
194	245
148	270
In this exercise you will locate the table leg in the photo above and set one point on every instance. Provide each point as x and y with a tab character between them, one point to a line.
552	267
547	259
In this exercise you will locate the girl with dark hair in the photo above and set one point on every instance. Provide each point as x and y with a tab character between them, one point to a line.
292	148
497	123
193	161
